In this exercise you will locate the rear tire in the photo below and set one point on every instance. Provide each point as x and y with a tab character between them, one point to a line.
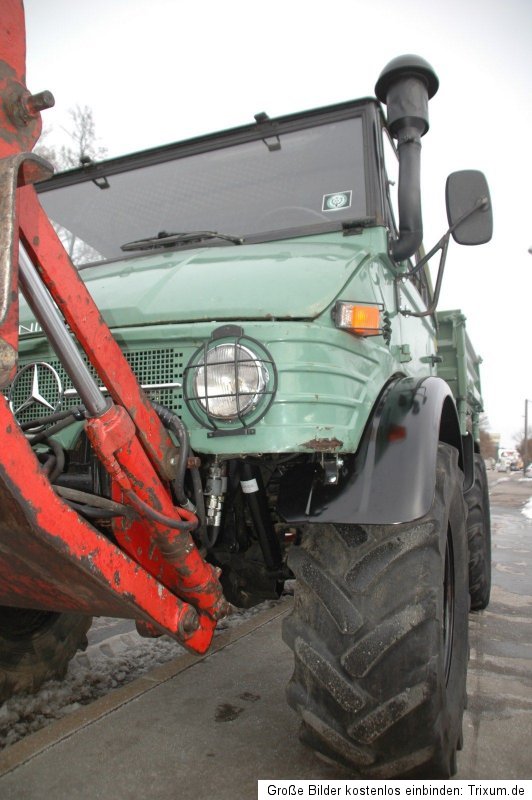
379	634
36	646
479	538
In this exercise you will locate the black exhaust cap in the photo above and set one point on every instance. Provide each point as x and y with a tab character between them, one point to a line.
406	85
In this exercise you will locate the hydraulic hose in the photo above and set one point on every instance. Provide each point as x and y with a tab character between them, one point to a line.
59	455
78	413
172	421
45	435
94	501
91	512
199	502
154	515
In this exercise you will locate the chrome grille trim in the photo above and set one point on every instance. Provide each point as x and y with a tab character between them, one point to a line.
146	386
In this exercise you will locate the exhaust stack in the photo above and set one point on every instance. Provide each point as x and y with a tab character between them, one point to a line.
406	85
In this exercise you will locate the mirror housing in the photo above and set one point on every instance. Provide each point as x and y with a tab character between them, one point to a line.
468	202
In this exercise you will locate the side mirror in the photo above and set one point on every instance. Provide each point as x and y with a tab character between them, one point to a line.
468	203
470	222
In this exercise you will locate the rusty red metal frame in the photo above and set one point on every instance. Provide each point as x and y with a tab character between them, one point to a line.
50	557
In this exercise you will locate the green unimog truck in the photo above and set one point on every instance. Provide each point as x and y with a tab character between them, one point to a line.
267	292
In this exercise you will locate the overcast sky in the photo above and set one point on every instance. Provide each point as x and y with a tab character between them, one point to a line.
155	71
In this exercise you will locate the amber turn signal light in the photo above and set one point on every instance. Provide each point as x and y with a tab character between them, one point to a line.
362	320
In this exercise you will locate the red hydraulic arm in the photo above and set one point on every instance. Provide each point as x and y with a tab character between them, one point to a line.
50	557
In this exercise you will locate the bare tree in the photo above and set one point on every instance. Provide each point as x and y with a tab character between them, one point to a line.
520	446
488	445
46	150
83	147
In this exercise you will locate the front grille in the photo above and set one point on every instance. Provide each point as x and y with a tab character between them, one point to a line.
154	367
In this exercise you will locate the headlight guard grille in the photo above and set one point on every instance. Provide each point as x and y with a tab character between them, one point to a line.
230	382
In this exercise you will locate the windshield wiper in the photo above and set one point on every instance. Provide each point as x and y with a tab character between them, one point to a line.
164	239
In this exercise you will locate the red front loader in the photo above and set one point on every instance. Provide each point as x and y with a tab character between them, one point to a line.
56	568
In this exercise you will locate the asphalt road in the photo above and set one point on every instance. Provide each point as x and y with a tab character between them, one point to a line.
498	722
210	727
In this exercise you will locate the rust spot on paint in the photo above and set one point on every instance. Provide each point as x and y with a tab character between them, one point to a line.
396	433
323	445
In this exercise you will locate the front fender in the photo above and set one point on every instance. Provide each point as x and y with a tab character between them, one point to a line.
391	478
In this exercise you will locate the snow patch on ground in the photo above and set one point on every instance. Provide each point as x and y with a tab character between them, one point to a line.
104	666
527	509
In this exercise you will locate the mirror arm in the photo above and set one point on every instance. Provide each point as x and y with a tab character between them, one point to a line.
442	245
481	204
426	258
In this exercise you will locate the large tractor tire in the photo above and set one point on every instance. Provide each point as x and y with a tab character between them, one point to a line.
379	632
479	538
36	646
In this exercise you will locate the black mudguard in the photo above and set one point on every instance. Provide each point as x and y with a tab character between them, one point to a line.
391	478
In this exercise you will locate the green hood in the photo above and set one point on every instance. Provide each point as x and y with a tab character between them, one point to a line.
291	279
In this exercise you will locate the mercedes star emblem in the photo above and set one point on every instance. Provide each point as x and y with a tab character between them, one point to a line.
35	384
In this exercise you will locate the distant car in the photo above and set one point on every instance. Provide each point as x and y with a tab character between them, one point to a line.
503	466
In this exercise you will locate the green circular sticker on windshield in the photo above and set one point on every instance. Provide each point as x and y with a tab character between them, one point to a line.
336	201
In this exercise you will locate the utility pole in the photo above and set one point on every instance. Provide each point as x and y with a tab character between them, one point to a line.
525	444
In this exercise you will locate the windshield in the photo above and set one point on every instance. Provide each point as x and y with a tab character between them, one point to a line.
291	182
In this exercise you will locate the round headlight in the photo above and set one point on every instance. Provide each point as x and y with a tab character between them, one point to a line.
229	381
